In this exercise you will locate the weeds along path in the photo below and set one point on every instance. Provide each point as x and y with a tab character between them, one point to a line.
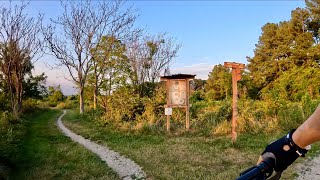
45	153
126	168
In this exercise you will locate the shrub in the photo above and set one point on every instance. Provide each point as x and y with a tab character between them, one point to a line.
197	109
12	132
267	116
68	104
30	105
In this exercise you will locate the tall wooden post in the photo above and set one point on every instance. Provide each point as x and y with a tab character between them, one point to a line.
187	105
168	105
234	104
236	76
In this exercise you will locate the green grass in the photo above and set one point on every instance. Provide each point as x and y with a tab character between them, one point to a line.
47	154
180	157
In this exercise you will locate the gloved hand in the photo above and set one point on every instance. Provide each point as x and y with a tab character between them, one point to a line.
285	152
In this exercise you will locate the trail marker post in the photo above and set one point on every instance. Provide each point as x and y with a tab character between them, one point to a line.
236	76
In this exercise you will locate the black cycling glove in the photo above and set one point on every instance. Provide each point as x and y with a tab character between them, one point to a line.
285	152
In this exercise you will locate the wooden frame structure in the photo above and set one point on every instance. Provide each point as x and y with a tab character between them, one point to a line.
178	93
236	76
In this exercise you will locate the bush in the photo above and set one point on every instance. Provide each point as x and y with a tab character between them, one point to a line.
267	116
30	105
53	104
197	109
68	104
12	132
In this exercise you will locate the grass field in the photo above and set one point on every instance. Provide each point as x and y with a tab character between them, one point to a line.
47	154
183	157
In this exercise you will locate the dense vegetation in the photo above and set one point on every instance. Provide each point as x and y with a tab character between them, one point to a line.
116	68
279	89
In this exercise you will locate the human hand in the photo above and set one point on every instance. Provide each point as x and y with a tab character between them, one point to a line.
285	152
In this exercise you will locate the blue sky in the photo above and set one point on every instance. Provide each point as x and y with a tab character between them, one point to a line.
211	32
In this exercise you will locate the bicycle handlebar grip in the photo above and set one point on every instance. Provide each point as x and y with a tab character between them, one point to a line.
258	172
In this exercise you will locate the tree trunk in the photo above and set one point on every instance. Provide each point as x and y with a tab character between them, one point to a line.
95	101
19	97
17	100
81	100
95	93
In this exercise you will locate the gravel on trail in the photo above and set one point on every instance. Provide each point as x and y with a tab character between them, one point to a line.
310	170
126	168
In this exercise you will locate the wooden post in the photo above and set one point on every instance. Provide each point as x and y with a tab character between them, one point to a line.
236	76
168	123
234	105
168	105
187	105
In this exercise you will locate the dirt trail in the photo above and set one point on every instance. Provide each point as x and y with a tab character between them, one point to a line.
309	170
126	168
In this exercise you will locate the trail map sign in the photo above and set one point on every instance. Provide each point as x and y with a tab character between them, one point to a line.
177	92
177	95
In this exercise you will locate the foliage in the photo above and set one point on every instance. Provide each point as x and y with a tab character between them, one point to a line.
12	132
4	101
269	116
110	67
147	89
123	105
284	46
20	46
34	87
313	23
197	84
197	96
219	85
30	105
306	81
67	104
88	22
55	95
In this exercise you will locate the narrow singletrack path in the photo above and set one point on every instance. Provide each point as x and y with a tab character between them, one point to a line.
126	168
310	170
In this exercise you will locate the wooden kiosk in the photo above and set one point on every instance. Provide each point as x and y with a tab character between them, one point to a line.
178	93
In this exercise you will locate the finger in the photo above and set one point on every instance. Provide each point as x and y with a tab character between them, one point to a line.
259	160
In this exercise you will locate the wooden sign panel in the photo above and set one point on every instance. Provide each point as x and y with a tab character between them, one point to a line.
177	92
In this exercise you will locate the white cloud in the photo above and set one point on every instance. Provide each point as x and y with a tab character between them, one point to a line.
56	76
201	70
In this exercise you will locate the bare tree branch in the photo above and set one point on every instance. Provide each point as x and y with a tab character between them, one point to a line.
82	25
20	47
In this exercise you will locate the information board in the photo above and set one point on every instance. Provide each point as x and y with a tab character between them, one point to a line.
177	92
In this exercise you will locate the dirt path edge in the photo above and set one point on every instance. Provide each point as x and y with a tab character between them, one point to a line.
124	167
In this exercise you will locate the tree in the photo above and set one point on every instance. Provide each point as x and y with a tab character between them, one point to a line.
197	84
34	86
20	46
281	47
83	24
285	52
148	57
306	81
110	67
55	95
313	6
219	83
